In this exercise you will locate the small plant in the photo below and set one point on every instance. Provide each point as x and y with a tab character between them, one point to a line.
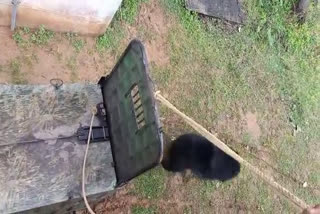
15	66
16	75
21	38
72	66
17	37
26	30
41	36
72	63
76	42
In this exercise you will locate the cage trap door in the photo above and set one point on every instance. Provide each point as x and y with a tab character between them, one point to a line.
133	121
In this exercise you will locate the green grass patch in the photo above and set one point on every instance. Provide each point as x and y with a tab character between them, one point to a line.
16	76
207	187
271	46
71	64
273	23
115	33
111	39
151	184
17	37
272	63
21	37
143	210
41	36
24	36
76	42
129	10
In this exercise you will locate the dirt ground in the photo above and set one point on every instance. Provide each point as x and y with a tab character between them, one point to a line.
58	59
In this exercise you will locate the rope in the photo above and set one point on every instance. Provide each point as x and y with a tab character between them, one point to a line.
84	169
214	140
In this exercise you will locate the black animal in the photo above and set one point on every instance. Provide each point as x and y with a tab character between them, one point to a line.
194	152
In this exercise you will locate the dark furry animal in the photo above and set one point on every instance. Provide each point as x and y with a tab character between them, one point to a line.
191	151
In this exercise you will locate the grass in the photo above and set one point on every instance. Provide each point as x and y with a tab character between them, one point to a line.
207	187
111	39
151	184
71	64
16	76
143	210
24	36
280	57
129	10
21	38
17	37
41	36
76	42
271	58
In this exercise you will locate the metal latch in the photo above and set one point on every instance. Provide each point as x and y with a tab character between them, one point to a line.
98	134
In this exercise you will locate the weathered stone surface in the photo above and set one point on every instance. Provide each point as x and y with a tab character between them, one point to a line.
226	9
45	176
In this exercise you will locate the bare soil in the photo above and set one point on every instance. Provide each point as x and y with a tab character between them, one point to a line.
252	125
58	59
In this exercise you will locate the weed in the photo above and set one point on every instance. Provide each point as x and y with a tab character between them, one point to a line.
22	37
187	210
72	63
273	36
115	33
17	37
41	36
26	30
76	42
111	38
207	187
15	66
143	210
129	10
16	76
72	66
151	184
